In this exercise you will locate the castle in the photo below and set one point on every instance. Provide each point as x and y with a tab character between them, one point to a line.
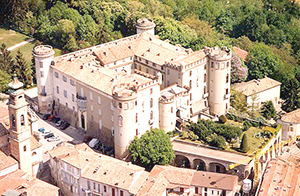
120	89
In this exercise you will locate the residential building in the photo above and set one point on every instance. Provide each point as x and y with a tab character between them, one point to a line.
18	183
113	90
78	170
290	125
258	91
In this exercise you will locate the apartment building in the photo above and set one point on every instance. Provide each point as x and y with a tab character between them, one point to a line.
115	91
78	170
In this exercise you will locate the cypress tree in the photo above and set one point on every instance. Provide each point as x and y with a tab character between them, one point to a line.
244	144
23	69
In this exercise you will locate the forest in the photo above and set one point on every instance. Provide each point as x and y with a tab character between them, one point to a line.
268	29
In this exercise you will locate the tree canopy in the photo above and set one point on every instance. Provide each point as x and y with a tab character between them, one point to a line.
152	148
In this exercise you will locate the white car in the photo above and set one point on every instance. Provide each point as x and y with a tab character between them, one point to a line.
54	138
46	132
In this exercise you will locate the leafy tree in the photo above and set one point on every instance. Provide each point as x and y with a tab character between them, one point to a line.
4	81
262	61
268	110
87	29
238	71
154	147
216	141
23	69
238	100
63	29
244	144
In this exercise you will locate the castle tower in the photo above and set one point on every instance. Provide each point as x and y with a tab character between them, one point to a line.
219	79
43	58
19	132
145	24
126	119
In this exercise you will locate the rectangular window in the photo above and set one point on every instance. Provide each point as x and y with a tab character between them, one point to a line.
41	64
204	78
168	71
113	192
227	78
100	124
99	100
73	97
99	112
227	91
104	188
121	193
111	106
56	74
42	74
88	184
24	148
91	96
94	185
151	91
72	82
98	188
171	109
67	105
136	117
65	94
196	190
136	132
147	70
181	190
179	75
112	118
57	89
190	73
64	78
73	110
92	108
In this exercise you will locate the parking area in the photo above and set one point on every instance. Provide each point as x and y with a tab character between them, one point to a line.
69	134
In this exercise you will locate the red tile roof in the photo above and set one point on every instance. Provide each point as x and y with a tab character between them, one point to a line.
242	53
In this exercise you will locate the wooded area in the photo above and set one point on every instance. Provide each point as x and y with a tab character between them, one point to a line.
268	29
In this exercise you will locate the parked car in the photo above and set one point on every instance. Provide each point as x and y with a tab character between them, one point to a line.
46	132
54	138
46	116
42	130
51	117
58	123
64	126
56	119
49	135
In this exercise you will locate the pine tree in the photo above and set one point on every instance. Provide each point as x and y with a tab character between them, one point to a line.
6	60
5	79
244	144
23	70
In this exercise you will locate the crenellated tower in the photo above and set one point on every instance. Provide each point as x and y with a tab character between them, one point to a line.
43	59
19	132
145	25
219	79
125	115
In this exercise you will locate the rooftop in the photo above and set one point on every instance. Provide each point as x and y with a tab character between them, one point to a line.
242	53
291	117
281	178
256	86
20	182
169	177
6	161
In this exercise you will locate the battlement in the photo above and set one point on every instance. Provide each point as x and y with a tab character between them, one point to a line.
43	50
171	93
125	91
145	23
217	53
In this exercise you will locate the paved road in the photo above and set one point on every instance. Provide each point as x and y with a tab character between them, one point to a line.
20	44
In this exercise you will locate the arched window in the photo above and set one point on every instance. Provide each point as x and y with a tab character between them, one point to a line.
13	120
120	120
22	120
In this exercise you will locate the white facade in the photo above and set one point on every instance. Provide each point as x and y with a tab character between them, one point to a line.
129	74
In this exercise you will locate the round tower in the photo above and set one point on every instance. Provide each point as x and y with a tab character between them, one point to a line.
125	118
145	24
219	79
167	113
43	59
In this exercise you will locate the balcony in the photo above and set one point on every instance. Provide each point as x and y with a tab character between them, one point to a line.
205	95
81	103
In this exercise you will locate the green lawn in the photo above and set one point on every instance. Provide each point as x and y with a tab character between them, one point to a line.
10	38
254	142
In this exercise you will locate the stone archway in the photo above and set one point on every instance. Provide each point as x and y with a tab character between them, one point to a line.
182	161
217	167
199	164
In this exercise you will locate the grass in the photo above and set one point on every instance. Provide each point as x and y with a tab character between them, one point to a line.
11	38
253	142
